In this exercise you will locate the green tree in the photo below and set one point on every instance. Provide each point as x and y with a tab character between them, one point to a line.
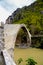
40	0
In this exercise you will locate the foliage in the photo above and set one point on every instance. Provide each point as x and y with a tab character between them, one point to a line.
32	16
23	35
40	0
20	60
37	42
41	44
30	62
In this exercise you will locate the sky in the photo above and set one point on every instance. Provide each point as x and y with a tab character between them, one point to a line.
7	7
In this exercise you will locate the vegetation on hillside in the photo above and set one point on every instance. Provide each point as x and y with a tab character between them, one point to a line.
32	16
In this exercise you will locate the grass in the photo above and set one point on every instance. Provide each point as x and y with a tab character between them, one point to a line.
36	54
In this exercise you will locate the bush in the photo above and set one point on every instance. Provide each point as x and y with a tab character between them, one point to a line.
30	61
20	60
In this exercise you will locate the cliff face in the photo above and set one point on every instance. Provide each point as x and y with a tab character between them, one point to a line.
31	15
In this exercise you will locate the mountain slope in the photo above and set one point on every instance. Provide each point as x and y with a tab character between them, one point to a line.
31	15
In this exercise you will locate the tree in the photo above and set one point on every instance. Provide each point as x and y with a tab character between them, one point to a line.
40	0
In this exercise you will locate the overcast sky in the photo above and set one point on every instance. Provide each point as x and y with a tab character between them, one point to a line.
8	6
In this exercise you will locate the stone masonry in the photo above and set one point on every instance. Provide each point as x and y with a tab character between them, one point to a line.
8	35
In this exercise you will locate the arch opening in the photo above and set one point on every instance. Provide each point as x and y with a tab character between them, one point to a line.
22	39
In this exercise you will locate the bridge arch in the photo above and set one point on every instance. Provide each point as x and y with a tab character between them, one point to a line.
10	35
26	38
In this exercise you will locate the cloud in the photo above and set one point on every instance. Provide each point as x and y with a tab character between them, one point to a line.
19	3
9	7
3	14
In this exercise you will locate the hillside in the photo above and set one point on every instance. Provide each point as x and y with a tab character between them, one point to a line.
31	15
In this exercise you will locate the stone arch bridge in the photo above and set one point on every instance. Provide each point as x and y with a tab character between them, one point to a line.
10	35
10	32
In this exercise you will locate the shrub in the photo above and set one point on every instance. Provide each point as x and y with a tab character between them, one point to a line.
30	61
20	60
